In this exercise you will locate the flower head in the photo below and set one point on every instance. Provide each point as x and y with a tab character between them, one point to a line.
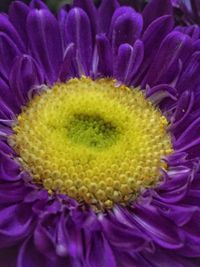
99	136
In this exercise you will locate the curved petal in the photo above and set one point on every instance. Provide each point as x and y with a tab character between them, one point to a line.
105	12
128	61
89	7
155	9
126	27
45	42
189	79
67	70
99	252
18	12
8	29
104	50
9	168
16	223
24	76
161	230
175	47
79	33
9	48
152	38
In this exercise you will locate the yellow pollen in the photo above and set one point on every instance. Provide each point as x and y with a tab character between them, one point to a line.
97	142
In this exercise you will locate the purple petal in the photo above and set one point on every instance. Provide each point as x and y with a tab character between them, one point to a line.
128	61
29	256
179	214
161	230
183	109
155	9
99	252
7	96
38	4
124	237
79	33
68	239
125	259
12	192
89	7
193	31
152	39
6	113
18	13
7	47
67	71
167	258
190	79
105	12
45	41
25	75
174	49
9	168
105	55
15	224
8	29
190	137
43	241
160	92
176	186
126	27
62	20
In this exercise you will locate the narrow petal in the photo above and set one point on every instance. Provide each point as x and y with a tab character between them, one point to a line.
174	49
7	47
30	256
67	70
6	113
105	12
89	7
190	79
161	230
18	12
45	41
160	92
190	137
99	252
15	224
124	237
128	61
126	27
25	75
105	55
62	20
9	30
152	39
155	9
7	96
79	33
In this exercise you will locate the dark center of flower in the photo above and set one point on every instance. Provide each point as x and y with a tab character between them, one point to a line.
92	131
93	141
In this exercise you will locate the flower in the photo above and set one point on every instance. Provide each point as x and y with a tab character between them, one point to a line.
78	84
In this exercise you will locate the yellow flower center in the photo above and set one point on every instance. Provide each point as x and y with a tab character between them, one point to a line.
93	140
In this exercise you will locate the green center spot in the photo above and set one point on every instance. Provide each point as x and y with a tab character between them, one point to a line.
92	131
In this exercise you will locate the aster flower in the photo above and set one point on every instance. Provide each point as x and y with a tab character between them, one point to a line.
99	137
